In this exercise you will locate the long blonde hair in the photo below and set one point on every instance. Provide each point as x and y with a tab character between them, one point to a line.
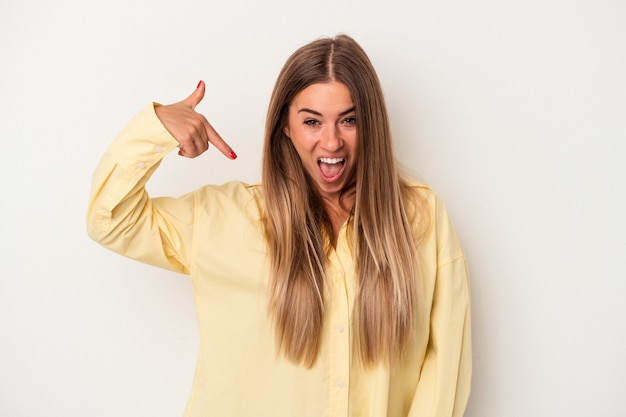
298	229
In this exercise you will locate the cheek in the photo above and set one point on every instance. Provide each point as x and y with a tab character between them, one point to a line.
302	139
351	139
299	144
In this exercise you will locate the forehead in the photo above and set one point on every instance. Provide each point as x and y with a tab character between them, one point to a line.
319	96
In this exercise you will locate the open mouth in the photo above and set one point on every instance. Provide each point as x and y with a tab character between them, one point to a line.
331	168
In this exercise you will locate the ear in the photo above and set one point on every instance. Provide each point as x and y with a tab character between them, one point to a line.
287	132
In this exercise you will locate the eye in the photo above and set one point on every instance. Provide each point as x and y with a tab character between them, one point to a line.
311	122
351	120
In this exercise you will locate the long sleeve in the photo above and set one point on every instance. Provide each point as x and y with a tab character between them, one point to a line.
444	385
121	216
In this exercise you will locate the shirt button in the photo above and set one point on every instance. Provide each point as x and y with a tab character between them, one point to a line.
141	165
158	149
340	329
340	383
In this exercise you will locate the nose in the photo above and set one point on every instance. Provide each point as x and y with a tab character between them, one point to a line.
331	140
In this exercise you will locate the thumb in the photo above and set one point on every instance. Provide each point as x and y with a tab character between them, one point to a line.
195	97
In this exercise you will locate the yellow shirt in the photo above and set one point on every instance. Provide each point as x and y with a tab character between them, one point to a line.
214	234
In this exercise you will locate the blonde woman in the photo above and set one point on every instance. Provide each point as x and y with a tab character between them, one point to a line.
335	287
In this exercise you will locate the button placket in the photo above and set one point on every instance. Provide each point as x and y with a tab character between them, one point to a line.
339	339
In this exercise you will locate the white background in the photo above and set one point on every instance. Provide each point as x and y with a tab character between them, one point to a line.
514	111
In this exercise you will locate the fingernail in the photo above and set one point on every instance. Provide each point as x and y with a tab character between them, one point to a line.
199	84
232	155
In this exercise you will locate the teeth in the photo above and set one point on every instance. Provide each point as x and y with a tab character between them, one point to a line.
331	160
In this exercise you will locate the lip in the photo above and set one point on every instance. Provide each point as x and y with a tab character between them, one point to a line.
335	177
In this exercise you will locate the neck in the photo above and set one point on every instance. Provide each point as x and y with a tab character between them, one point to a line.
338	209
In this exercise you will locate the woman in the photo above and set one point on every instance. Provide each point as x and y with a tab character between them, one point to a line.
333	288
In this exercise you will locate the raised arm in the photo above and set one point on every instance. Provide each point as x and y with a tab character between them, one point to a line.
121	215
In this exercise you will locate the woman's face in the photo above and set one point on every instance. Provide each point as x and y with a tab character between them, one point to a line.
322	128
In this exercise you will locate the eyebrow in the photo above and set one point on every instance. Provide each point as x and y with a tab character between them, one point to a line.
343	113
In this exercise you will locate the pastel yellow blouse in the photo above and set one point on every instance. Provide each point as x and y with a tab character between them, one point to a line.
214	234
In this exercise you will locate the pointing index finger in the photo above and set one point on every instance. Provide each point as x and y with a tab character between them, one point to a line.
216	140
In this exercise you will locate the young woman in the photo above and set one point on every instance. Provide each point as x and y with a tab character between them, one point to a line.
335	287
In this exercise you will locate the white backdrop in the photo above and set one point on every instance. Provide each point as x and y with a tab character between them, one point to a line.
515	111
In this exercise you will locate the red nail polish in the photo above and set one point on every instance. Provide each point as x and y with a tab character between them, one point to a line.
232	155
199	84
